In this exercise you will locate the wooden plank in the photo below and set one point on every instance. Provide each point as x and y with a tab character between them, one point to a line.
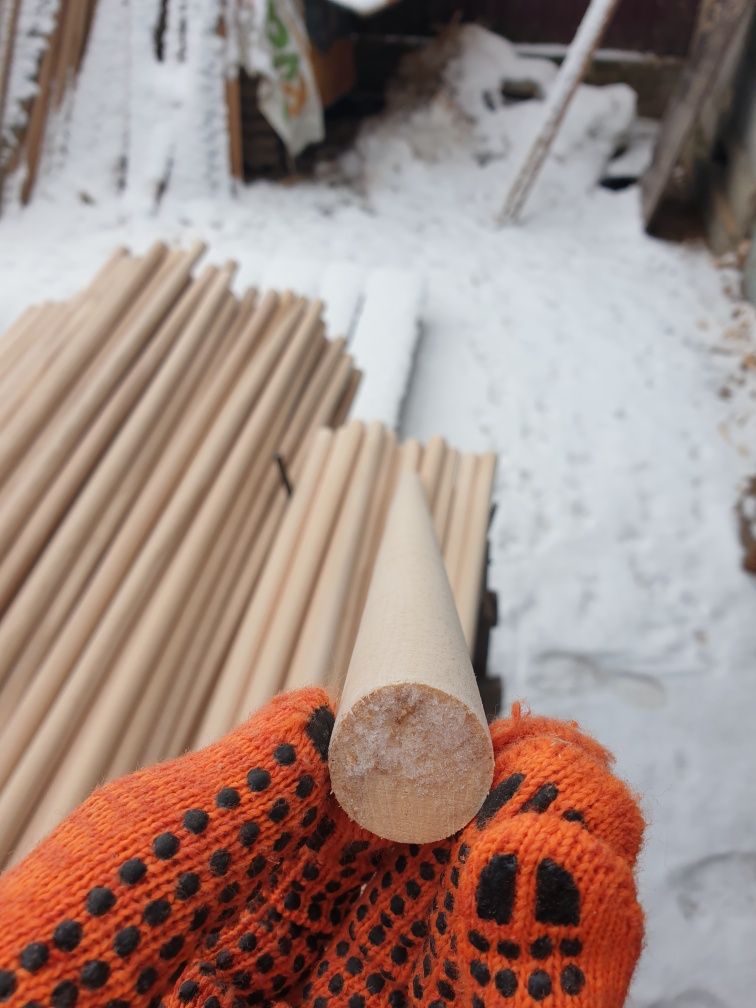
570	74
720	22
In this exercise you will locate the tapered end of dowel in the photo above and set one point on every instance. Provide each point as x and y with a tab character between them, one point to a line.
410	756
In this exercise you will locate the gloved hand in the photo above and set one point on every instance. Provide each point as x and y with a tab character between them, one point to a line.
231	877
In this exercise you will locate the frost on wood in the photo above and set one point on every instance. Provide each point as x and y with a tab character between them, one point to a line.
411	732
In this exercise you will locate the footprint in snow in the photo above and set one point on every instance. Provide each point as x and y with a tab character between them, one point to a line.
574	673
721	885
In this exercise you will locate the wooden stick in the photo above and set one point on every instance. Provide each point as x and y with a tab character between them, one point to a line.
342	412
285	620
212	481
314	652
69	429
459	519
129	754
53	388
329	402
411	453
470	572
364	563
431	469
94	546
410	717
444	498
43	338
84	530
205	456
18	339
64	485
571	72
315	408
183	606
42	346
223	709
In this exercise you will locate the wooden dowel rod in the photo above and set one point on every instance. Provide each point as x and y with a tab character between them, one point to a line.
321	390
470	575
64	485
201	663
42	346
431	469
92	547
342	411
445	497
223	709
129	754
411	453
285	619
244	563
410	717
49	334
458	522
154	516
365	561
212	487
17	338
327	403
82	528
314	652
25	425
61	440
184	605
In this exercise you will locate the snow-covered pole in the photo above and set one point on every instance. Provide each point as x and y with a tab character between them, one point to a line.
571	72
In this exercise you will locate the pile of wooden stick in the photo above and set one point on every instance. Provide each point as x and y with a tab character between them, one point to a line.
144	426
159	580
59	65
302	621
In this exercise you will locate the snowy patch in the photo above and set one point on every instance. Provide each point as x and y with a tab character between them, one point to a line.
612	372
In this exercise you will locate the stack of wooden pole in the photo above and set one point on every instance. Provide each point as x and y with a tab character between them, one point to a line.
59	65
301	623
144	426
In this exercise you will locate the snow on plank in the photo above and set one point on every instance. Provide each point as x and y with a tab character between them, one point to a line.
384	343
341	293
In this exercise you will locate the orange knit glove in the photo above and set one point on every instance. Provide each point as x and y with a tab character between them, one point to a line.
231	877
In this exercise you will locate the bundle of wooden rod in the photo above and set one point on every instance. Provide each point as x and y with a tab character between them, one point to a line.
144	427
59	63
301	623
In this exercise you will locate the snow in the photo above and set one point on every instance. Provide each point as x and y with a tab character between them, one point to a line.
384	344
608	369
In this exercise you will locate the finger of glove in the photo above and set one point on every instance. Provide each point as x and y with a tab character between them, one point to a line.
537	908
114	903
548	766
371	959
294	911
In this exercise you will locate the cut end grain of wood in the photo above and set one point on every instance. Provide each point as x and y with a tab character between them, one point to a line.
410	756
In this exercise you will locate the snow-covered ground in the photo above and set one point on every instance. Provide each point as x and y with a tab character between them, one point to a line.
614	375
